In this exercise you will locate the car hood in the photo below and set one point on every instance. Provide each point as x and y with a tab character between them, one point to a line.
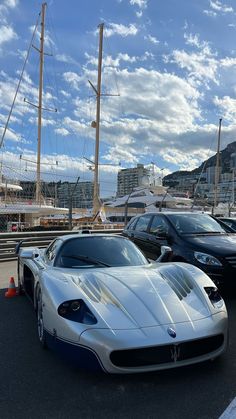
138	297
221	245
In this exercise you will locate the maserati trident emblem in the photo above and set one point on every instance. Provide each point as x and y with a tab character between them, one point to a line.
171	332
175	353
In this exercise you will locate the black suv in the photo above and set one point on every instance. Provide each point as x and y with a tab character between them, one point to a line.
195	238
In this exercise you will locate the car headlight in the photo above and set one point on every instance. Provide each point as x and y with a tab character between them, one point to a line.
207	259
76	311
214	296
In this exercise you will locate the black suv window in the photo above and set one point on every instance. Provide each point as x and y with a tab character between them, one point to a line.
159	226
131	224
142	223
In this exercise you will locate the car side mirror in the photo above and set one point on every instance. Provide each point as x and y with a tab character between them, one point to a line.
29	253
166	254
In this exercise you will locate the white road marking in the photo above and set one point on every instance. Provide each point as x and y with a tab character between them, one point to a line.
230	412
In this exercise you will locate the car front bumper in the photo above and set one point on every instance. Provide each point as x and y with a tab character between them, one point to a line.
153	348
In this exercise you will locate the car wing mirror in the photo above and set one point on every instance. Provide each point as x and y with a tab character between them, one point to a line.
166	254
29	253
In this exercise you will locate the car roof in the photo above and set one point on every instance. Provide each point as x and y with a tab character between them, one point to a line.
80	235
173	213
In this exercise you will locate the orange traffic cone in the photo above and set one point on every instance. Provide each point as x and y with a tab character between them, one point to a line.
11	292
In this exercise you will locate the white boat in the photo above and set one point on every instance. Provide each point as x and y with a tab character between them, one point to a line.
144	199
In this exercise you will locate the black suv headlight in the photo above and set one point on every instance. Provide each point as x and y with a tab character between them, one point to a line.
206	259
214	297
76	311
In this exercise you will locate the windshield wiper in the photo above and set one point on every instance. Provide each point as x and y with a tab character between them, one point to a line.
87	259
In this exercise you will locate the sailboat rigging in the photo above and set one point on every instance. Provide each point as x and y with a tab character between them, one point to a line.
217	168
96	124
25	211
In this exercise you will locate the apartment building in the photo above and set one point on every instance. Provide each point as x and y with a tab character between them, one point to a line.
128	179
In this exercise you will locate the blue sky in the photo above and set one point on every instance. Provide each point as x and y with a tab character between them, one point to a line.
172	63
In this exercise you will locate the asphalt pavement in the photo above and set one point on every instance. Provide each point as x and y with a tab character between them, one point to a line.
35	383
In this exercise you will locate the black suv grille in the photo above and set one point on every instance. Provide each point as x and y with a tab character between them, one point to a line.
155	355
231	260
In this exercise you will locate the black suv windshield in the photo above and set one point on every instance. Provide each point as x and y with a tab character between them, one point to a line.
99	251
195	224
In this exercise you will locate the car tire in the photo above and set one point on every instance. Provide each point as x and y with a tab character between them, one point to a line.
40	323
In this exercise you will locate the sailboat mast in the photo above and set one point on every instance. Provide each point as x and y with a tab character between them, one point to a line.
96	200
217	174
41	51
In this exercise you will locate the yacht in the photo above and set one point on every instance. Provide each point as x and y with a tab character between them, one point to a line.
144	199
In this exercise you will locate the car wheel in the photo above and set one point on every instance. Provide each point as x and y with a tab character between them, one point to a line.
40	323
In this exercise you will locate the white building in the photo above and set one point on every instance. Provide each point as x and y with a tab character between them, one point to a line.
131	178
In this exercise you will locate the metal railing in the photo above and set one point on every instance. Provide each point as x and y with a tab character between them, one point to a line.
8	241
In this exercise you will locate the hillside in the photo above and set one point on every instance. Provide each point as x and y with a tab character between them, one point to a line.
224	162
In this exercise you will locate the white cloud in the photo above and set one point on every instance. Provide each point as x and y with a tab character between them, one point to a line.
139	13
227	106
194	40
12	135
73	79
220	7
201	65
11	3
65	59
64	93
108	60
228	62
118	154
217	7
62	131
183	160
210	13
122	30
45	121
152	39
142	4
4	9
6	34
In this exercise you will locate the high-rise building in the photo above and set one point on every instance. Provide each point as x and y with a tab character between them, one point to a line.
128	179
82	195
60	192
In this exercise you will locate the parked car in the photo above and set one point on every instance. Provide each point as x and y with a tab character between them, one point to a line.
101	303
230	221
195	238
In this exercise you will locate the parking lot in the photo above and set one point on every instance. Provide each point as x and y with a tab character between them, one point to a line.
35	383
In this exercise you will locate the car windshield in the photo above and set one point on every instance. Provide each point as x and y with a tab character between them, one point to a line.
99	251
195	224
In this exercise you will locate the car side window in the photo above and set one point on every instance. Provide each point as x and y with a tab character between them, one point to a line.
131	225
159	226
52	250
142	223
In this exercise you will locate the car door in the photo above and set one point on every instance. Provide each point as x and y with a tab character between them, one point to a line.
140	235
157	235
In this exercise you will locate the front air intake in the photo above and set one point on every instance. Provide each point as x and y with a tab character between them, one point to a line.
174	353
178	280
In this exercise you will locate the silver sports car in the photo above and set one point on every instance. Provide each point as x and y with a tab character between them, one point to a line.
100	302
